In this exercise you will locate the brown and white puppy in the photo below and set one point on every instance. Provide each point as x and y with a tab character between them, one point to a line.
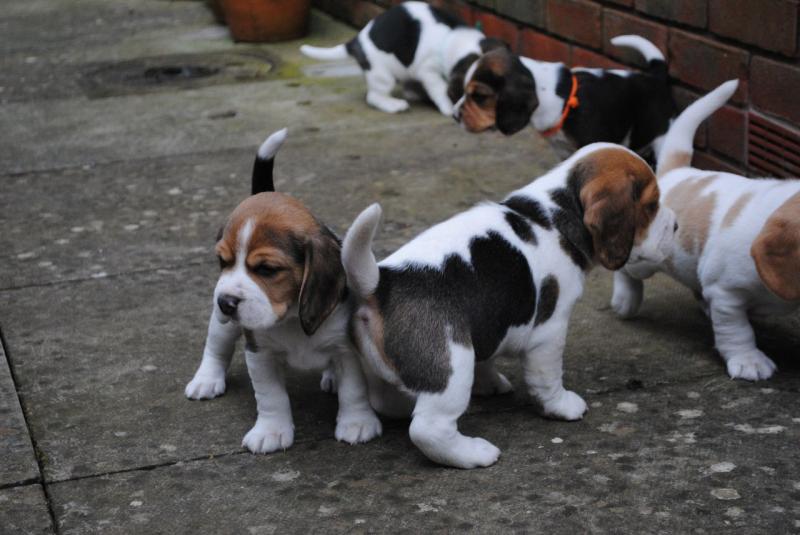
738	246
283	287
500	278
508	92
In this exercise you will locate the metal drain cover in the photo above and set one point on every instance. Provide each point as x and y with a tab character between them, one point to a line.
176	71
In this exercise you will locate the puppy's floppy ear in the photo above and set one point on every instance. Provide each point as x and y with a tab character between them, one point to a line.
517	100
776	251
324	280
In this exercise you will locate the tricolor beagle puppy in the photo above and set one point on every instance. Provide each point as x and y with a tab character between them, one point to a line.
738	245
508	92
500	278
283	287
412	42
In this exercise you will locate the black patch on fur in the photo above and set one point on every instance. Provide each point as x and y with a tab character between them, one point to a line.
261	180
474	304
356	52
396	32
446	18
455	83
531	209
521	227
548	297
250	341
575	239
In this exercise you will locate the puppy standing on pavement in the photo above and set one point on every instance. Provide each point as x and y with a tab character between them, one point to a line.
508	92
283	287
500	278
412	41
738	246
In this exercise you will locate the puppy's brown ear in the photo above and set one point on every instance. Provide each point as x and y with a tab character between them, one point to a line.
776	251
517	100
324	280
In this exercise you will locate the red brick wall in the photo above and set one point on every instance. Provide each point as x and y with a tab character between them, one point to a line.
705	41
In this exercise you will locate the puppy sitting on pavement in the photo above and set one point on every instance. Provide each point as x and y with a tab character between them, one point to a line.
738	245
500	278
283	287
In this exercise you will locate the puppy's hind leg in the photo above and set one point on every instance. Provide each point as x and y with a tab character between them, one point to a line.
436	88
434	427
489	381
209	379
379	87
327	383
734	337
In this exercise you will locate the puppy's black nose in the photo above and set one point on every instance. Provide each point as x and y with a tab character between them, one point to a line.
227	304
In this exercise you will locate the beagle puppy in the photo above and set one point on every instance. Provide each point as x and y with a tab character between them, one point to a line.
738	245
283	287
508	92
500	278
412	41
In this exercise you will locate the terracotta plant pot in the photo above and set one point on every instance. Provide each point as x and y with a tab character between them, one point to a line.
266	20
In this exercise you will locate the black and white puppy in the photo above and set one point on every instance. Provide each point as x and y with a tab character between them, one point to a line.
500	278
508	92
282	286
412	41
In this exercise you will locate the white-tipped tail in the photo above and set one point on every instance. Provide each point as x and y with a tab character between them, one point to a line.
678	143
642	45
270	147
357	256
325	54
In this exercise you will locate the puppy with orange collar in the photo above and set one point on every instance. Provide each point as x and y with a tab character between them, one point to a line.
500	278
508	92
283	287
738	245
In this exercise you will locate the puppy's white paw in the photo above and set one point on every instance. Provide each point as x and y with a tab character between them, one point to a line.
394	106
491	384
626	304
328	381
567	406
268	436
446	109
476	452
205	387
358	427
751	365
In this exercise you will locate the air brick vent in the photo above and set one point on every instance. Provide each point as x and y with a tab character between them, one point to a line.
772	150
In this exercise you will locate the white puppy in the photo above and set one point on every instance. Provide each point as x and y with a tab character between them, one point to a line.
737	246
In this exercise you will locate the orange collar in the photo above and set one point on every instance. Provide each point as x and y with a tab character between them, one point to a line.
572	102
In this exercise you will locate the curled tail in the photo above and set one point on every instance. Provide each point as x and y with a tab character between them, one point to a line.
652	55
325	54
357	256
265	159
677	149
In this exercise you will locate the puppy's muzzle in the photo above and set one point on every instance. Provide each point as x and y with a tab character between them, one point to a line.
228	304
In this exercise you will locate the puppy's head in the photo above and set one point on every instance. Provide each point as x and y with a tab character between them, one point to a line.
277	258
499	92
620	198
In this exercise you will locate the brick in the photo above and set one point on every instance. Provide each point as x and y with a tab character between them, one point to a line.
773	148
704	160
727	133
705	64
528	11
494	26
577	20
772	87
768	24
627	3
488	4
684	97
543	47
581	57
618	23
691	12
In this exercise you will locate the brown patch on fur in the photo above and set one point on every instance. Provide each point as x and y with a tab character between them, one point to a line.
370	316
776	251
478	117
693	212
674	161
619	194
736	208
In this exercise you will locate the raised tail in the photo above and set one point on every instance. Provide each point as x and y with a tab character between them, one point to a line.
357	256
265	160
652	55
325	54
677	149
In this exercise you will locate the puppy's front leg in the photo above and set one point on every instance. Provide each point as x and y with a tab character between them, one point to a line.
274	429
209	379
543	365
734	337
627	296
436	88
356	421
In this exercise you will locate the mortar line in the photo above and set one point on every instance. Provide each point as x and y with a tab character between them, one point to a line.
36	452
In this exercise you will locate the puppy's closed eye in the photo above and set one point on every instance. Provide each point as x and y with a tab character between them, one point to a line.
266	270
